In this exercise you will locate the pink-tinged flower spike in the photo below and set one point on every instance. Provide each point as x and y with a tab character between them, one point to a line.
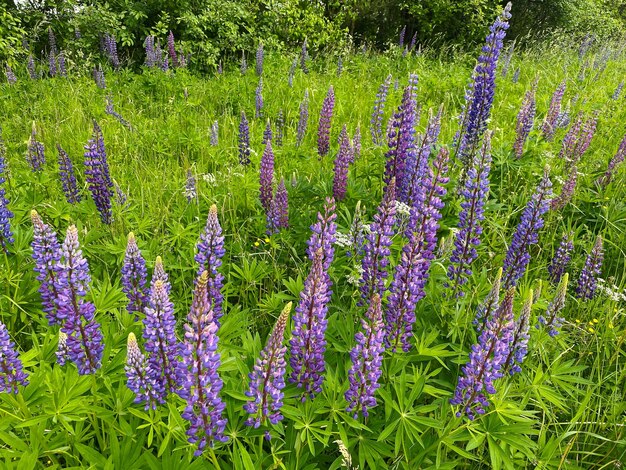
267	379
303	120
84	338
578	138
551	319
171	49
550	123
266	176
525	119
97	174
561	258
68	177
616	161
326	115
323	235
588	280
308	342
209	258
278	214
46	254
11	369
6	234
137	379
367	358
159	274
519	348
134	277
36	156
567	191
376	123
342	162
202	383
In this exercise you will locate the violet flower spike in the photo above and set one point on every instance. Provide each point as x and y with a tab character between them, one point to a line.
267	133
35	156
191	191
303	119
62	64
97	174
489	305
326	115
171	49
323	236
137	379
525	120
304	58
616	161
11	78
258	100
588	280
551	320
159	274
244	140
134	277
342	162
376	123
278	214
47	255
214	138
68	177
6	234
30	66
550	121
567	191
11	368
561	258
519	344
266	176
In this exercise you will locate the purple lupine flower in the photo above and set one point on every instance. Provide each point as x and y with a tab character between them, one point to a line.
585	45
377	247
577	140
159	334
62	64
165	64
303	119
561	258
475	194
11	78
339	66
134	277
267	379
617	160
280	129
567	191
551	320
259	59
190	186
356	143
214	138
243	66
376	124
46	254
482	89
159	274
202	383
342	162
121	198
30	66
111	50
267	133
97	174
68	177
258	99
52	53
588	280
210	249
292	72
413	42
11	369
506	59
220	69
98	77
137	379
618	91
367	358
278	214
84	338
36	156
304	58
171	49
151	59
266	175
550	121
62	353
244	140
519	344
6	234
308	342
109	109
326	115
323	236
525	120
527	233
401	38
486	360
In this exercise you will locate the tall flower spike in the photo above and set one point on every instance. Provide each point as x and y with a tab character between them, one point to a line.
214	138
210	249
159	274
36	157
190	191
527	233
278	214
616	161
303	119
137	379
243	66
588	280
323	235
376	124
6	234
244	140
479	98
84	338
342	162
367	358
52	66
11	369
519	348
134	277
62	64
171	49
98	77
258	99
525	119
551	120
578	138
32	69
46	254
68	177
202	383
267	379
304	58
97	174
267	133
551	320
567	191
266	175
259	59
561	258
326	115
11	78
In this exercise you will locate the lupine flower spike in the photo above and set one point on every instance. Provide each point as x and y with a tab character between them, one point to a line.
97	174
551	119
36	157
259	59
588	280
11	78
259	99
137	379
304	58
267	133
6	234
244	140
11	369
30	66
561	258
525	120
519	348
278	214
68	177
376	124
266	176
326	115
303	119
342	162
214	138
356	143
46	254
171	49
134	277
616	161
551	320
490	303
190	191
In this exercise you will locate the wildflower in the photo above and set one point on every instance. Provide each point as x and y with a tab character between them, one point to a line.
46	254
214	134
525	120
551	319
11	369
401	38
303	119
588	280
356	142
137	379
36	157
98	77
243	67
304	58
52	67
618	91
278	213
68	177
259	59
266	175
6	234
567	191
30	66
520	339
561	258
267	133
171	49
109	109
97	174
550	121
342	162
259	99
111	50
11	78
326	115
376	123
190	186
134	277
62	64
488	305
578	138
618	159
244	140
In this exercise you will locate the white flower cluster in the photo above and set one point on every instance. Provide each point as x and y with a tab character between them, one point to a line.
355	277
613	292
343	240
209	178
402	208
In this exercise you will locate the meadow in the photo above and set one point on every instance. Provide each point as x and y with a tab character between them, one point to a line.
560	406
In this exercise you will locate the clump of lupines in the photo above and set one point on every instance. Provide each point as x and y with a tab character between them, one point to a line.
551	120
97	174
304	58
98	77
68	177
303	119
6	234
376	124
258	99
280	129
326	115
475	194
561	258
46	254
480	94
11	369
267	379
137	379
121	198
244	140
190	186
11	78
486	360
527	233
267	133
278	214
134	277
617	160
519	343
171	49
84	338
110	48
30	66
588	280
266	175
551	320
214	137
367	358
202	383
259	59
342	162
210	250
525	120
567	191
35	156
578	138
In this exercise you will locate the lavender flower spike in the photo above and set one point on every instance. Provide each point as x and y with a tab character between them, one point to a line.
202	384
551	319
171	49
278	214
244	140
527	233
259	99
267	379
326	115
11	369
134	277
367	358
567	191
267	133
32	69
618	159
97	174
519	343
259	59
6	234
561	258
266	176
137	379
342	162
376	124
303	119
323	235
159	274
551	120
11	78
525	120
36	157
214	137
588	280
68	177
46	254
